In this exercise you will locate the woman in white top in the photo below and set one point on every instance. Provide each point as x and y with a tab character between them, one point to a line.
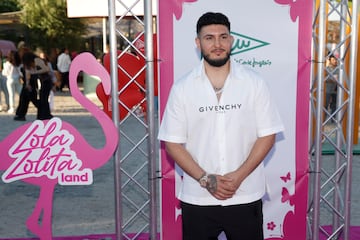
13	74
3	88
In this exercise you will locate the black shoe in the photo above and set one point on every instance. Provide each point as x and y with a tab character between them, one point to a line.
18	118
45	118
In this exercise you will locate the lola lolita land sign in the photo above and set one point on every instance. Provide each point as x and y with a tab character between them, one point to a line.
45	150
50	152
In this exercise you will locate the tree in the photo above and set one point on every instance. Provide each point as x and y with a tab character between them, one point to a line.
49	25
9	6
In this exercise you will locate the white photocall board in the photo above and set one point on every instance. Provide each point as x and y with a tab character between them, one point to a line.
273	38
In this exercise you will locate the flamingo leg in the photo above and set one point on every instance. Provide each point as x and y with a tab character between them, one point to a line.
39	222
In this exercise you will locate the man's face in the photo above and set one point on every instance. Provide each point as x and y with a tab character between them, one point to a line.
333	61
214	42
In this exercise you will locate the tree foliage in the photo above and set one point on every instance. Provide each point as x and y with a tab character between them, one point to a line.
9	6
49	25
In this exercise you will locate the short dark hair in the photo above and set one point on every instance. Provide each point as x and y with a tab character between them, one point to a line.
210	18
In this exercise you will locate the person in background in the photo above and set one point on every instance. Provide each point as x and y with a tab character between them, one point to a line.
44	57
34	68
1	77
331	80
3	88
219	124
13	78
73	55
30	86
63	66
53	56
45	75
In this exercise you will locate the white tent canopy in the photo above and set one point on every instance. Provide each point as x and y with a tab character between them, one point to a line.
99	8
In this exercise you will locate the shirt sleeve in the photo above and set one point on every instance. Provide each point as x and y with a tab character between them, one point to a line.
267	116
173	125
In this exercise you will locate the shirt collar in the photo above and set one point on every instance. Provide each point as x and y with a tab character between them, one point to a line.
200	70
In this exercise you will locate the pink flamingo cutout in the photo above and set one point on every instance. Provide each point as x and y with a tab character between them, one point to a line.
40	153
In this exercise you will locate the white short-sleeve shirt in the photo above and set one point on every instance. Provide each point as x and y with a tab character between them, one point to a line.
220	134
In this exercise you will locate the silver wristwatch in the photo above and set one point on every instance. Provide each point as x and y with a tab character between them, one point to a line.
203	180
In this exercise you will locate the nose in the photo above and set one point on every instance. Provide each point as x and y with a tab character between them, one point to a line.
217	42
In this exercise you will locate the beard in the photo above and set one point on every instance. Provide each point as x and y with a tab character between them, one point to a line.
217	62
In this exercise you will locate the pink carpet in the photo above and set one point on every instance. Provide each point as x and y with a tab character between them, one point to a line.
354	235
110	236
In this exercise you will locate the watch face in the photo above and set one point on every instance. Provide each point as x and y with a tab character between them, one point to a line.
203	181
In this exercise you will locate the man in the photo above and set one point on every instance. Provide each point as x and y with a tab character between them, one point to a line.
218	126
331	84
63	66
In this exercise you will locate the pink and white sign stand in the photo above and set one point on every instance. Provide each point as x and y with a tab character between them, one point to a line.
50	152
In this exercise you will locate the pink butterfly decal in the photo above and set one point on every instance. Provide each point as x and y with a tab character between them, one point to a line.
286	178
286	196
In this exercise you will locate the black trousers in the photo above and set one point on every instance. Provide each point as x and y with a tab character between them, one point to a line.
64	80
238	222
27	96
44	107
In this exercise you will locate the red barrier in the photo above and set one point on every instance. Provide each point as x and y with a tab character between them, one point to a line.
131	93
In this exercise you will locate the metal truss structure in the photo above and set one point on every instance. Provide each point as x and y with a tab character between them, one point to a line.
135	203
335	33
330	176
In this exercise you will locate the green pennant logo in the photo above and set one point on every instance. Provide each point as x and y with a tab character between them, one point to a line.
244	43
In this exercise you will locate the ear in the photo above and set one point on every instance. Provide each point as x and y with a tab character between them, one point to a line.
232	39
197	41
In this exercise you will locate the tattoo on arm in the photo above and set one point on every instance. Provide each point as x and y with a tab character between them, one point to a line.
211	183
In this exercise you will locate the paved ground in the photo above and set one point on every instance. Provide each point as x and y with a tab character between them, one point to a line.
83	210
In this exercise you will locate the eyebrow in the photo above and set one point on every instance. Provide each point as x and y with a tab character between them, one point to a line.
211	34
